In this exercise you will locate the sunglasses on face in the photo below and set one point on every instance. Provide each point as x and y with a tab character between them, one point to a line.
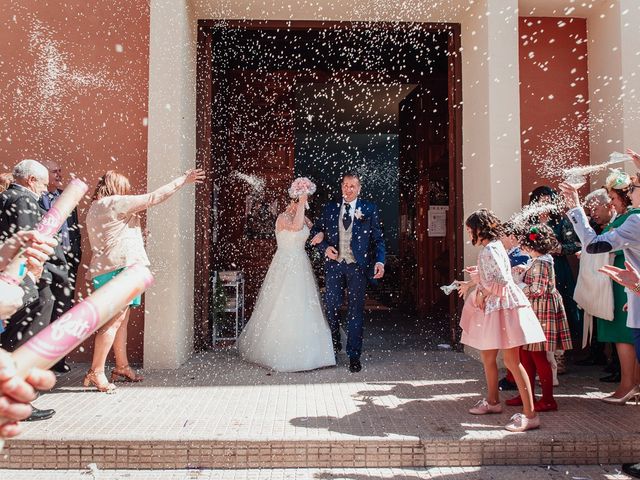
633	186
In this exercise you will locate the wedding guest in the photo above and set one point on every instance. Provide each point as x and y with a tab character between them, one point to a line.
617	331
594	293
63	293
497	316
5	180
540	289
565	279
625	238
115	236
16	393
517	259
19	204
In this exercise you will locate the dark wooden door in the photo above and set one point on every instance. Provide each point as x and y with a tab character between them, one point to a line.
425	213
259	169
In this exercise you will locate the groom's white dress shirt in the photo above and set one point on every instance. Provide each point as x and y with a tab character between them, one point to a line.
352	211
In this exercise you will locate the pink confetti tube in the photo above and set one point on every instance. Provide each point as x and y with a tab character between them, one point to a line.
63	335
59	338
51	222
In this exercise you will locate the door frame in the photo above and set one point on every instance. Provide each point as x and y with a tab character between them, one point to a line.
207	150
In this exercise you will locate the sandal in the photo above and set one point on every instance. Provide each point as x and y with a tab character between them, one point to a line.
125	374
92	378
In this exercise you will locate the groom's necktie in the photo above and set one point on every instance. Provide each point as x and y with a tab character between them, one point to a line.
346	218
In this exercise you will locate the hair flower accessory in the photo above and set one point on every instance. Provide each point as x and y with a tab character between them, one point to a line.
533	234
302	186
618	179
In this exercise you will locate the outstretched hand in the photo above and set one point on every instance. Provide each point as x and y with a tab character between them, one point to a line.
16	393
628	277
570	194
37	248
635	156
195	175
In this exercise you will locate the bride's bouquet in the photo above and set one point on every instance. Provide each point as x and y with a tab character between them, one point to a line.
302	186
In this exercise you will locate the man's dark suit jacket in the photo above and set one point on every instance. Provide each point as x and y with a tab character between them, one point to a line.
19	210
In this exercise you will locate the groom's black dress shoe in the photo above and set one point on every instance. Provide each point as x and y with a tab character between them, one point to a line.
38	414
354	365
632	469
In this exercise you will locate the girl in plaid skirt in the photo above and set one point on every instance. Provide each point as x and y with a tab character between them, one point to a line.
546	302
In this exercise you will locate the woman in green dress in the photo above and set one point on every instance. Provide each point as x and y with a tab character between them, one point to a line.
616	331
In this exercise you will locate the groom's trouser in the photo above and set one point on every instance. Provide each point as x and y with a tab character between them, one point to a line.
353	277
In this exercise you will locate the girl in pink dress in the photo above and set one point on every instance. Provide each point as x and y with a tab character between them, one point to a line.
497	316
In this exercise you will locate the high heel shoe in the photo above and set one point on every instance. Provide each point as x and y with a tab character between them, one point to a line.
91	378
633	393
125	374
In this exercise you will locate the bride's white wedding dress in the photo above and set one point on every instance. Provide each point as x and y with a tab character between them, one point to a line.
288	331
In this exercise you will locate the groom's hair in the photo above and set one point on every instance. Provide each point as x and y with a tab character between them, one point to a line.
350	174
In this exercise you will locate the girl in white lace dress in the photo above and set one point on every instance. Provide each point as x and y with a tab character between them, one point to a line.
497	316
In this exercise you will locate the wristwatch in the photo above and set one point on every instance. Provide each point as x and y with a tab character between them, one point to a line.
636	288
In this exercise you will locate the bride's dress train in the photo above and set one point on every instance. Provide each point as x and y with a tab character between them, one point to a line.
288	331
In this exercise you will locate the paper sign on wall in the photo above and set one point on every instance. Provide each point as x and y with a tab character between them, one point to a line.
437	220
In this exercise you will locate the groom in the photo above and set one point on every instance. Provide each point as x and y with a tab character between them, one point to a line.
354	250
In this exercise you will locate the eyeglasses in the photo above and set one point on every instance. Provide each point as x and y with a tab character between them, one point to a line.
631	188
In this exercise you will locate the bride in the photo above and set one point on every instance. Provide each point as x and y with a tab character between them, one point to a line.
288	331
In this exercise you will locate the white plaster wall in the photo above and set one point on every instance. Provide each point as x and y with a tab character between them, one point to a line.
491	125
630	58
168	333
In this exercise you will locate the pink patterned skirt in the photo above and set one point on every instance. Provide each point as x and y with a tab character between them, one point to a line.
500	329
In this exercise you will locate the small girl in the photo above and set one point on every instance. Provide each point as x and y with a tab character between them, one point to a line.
498	316
546	302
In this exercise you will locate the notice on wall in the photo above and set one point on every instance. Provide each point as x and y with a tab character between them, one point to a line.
437	220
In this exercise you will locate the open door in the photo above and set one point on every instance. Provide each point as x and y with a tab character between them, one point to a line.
425	234
258	170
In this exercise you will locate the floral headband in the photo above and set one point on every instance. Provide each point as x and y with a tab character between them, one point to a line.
618	180
302	186
533	234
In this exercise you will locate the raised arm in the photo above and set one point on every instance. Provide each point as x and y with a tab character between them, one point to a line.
296	223
129	204
625	236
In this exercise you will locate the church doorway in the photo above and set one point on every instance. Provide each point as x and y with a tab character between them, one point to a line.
278	100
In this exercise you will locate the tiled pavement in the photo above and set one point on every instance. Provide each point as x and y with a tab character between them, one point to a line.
407	408
556	472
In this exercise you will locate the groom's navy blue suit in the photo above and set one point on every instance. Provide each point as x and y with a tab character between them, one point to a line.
367	246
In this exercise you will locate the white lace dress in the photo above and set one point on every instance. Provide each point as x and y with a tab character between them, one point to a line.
288	331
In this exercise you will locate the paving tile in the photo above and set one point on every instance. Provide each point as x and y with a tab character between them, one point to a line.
407	407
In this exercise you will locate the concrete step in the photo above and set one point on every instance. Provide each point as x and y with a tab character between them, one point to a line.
407	408
556	472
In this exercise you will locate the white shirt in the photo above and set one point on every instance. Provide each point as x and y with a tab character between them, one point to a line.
352	210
